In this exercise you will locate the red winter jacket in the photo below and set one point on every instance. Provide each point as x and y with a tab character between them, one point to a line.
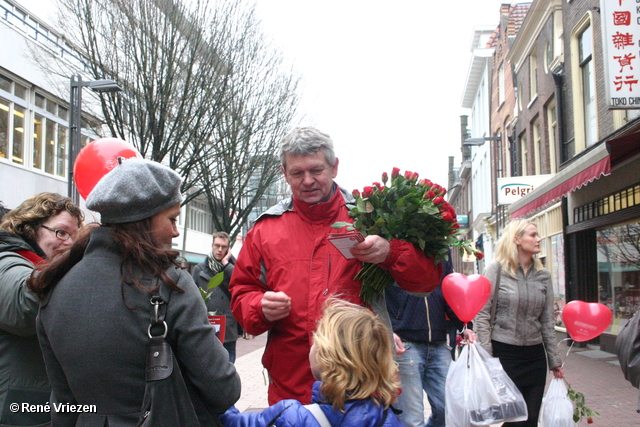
287	251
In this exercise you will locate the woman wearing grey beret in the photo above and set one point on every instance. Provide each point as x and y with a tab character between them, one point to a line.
95	307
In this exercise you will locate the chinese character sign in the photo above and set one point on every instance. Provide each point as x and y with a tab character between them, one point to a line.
621	48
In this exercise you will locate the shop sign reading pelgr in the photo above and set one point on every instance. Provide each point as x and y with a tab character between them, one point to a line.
513	188
620	41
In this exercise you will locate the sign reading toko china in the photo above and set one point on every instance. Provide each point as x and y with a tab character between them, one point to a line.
620	39
513	188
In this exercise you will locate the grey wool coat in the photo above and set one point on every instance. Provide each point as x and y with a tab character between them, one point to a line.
94	346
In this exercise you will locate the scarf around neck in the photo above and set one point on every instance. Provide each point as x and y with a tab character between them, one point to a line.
214	265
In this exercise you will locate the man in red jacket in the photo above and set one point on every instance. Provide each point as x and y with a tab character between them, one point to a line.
287	268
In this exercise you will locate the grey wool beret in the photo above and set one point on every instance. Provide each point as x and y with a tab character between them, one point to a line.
135	190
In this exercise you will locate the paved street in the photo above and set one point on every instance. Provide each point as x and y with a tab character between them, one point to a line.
588	370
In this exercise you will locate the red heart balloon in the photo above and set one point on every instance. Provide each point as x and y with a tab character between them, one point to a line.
466	295
586	320
96	159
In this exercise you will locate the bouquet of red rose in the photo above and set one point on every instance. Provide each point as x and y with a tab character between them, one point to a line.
410	210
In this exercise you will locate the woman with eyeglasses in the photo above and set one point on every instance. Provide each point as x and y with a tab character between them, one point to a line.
33	232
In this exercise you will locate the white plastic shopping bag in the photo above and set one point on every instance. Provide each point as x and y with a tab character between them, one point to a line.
557	408
479	392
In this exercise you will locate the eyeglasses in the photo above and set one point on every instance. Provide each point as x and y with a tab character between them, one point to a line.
220	247
60	234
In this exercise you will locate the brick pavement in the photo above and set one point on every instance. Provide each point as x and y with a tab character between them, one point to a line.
593	372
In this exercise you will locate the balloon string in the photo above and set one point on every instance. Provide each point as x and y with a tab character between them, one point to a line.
568	351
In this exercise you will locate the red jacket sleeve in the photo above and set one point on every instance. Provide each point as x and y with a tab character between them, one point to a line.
247	286
411	268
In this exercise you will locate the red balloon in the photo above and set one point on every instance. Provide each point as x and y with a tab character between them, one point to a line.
466	295
96	159
586	320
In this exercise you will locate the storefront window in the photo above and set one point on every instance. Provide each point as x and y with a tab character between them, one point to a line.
619	271
558	275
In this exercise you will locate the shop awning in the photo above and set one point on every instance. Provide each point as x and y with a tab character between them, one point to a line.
624	147
591	166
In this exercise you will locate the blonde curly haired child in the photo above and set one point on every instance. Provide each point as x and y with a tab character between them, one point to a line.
352	359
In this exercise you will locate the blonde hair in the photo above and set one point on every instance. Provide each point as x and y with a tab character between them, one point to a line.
507	250
354	355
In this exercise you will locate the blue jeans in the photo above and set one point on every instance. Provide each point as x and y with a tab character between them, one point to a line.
423	367
231	349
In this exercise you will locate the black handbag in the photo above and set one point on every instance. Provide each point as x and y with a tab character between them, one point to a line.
166	398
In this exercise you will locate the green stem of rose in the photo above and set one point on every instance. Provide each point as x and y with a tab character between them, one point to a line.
373	280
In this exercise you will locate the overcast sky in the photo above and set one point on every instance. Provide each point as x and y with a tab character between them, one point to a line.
383	78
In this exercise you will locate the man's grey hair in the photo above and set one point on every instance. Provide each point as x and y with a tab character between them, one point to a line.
306	141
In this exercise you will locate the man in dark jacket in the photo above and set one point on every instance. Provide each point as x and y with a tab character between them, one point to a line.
220	260
422	325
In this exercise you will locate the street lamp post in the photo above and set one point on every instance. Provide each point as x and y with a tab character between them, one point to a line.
481	140
494	170
75	121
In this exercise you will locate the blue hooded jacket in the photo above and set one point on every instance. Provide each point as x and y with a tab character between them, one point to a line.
414	320
291	413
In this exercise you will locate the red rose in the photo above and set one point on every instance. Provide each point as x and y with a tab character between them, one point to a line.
429	195
589	420
395	172
356	193
422	183
385	177
377	184
479	255
444	191
446	215
438	200
367	192
408	175
455	225
448	207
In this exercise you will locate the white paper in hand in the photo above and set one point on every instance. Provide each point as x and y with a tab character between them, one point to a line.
345	241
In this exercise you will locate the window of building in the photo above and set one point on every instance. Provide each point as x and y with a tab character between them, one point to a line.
533	77
33	134
38	138
548	57
552	128
587	86
501	84
537	147
524	155
586	66
18	134
619	271
200	218
4	128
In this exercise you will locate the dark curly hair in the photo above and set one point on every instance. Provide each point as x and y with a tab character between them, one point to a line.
24	220
141	254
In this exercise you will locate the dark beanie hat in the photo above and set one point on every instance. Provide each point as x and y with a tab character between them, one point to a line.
135	190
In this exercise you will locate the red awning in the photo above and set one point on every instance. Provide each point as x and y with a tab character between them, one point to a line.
624	147
588	168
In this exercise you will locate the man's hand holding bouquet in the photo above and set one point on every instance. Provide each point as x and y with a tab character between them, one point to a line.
408	209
